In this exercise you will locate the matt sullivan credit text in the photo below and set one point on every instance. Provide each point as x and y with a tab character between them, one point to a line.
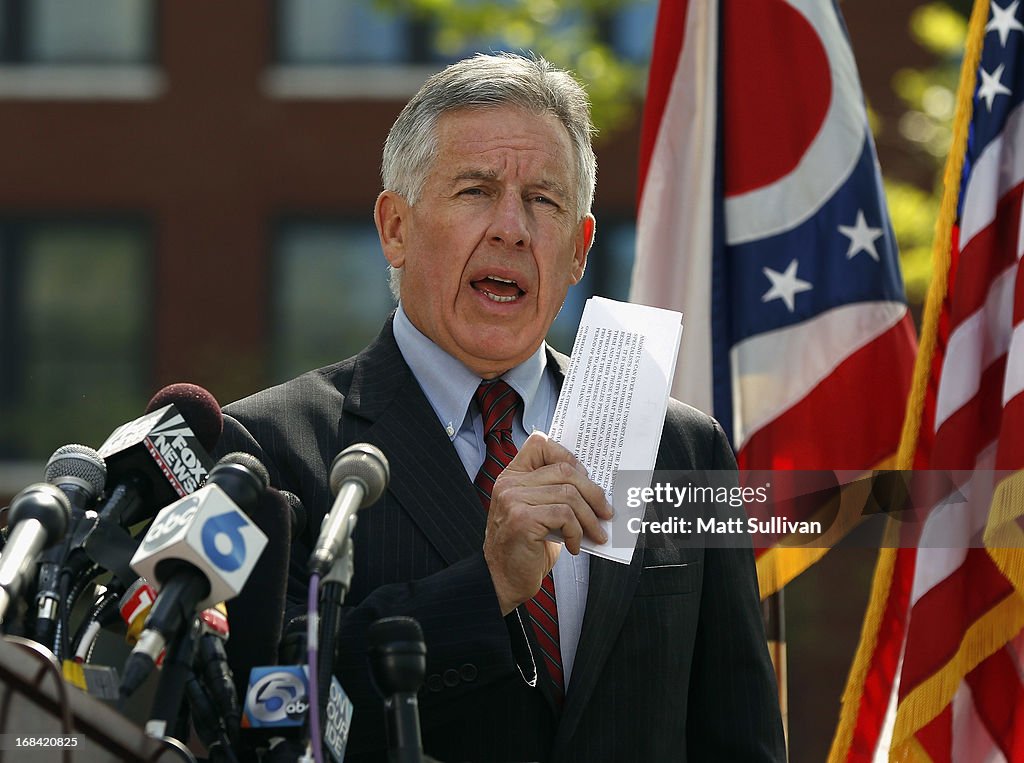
691	495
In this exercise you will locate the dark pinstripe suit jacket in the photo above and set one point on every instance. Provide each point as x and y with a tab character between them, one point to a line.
671	663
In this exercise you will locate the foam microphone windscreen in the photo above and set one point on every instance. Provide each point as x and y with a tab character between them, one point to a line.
256	614
298	512
199	408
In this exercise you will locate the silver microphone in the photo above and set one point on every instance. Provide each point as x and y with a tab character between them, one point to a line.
359	476
38	517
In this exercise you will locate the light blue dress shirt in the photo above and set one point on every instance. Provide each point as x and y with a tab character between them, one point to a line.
449	387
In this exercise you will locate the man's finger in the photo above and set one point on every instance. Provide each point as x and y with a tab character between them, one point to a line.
555	475
540	450
539	499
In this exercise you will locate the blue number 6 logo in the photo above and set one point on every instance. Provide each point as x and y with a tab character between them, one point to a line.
225	526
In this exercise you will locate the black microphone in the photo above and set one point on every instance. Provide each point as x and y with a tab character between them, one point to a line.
298	512
81	473
161	456
207	723
257	612
199	550
398	662
39	516
291	650
211	665
359	476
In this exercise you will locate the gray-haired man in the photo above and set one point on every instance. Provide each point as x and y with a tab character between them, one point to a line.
485	219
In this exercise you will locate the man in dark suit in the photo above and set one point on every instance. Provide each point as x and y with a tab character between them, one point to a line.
534	653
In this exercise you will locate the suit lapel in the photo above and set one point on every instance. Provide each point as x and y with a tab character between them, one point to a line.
386	407
608	599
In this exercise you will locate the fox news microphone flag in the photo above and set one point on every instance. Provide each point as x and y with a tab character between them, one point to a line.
776	246
939	672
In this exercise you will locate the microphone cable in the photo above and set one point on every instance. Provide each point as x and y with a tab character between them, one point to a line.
70	590
312	652
207	722
103	609
331	594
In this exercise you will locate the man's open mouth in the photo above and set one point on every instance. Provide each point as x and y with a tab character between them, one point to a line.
498	289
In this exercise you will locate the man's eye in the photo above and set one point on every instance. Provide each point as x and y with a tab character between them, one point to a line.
544	200
471	192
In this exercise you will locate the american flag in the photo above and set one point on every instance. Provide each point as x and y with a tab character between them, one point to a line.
762	219
938	674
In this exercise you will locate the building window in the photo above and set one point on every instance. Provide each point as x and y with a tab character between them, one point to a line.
354	32
330	293
331	298
61	32
75	327
325	32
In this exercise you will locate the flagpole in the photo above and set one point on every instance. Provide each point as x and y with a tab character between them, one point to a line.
773	611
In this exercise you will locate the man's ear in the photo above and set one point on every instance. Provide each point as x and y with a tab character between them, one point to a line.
584	240
389	214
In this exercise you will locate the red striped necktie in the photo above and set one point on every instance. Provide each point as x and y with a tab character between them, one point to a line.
498	404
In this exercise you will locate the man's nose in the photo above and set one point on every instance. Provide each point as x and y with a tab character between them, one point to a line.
509	225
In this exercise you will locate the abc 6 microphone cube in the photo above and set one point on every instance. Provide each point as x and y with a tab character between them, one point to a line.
208	530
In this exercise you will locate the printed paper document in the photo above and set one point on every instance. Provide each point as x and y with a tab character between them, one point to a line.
611	410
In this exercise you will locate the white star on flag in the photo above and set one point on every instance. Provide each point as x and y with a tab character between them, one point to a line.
1004	21
785	285
862	237
991	86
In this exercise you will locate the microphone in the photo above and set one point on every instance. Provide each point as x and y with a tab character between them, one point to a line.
134	607
161	456
134	604
81	473
359	476
207	723
258	609
138	456
151	461
291	650
199	408
39	516
398	662
276	698
199	551
211	665
298	512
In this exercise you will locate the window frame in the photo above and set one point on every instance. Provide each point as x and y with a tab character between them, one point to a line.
15	232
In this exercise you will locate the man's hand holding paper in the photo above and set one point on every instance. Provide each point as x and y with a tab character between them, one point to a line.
544	491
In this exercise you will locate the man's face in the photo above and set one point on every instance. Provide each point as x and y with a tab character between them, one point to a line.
491	247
